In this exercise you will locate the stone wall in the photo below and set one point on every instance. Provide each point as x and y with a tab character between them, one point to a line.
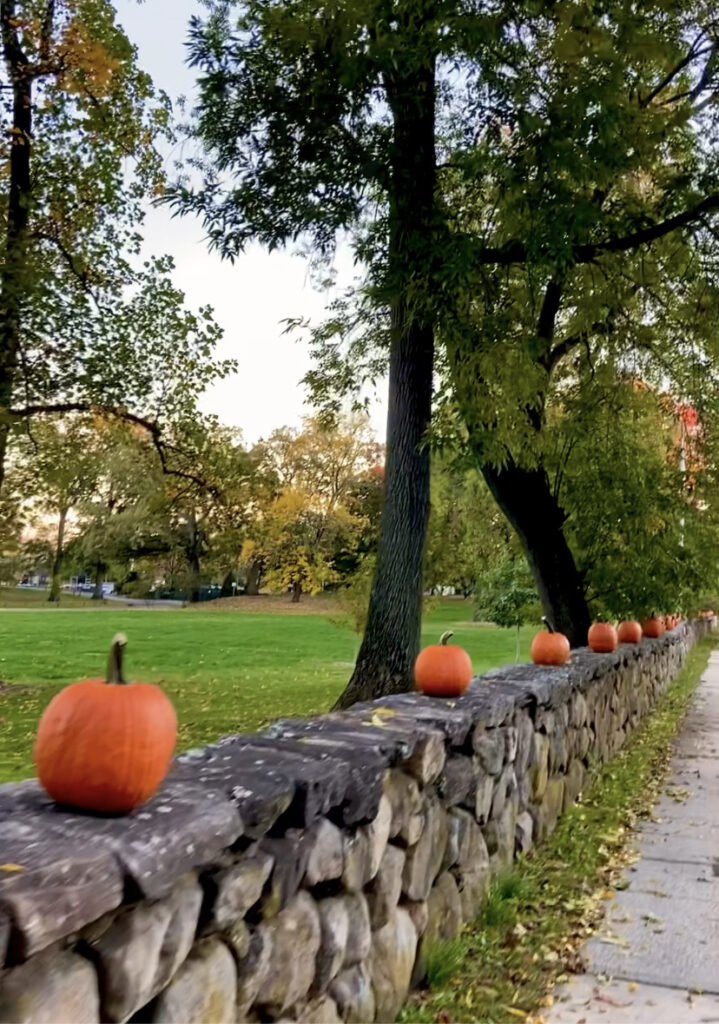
298	874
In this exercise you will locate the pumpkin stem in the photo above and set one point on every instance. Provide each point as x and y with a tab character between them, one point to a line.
114	661
547	623
445	637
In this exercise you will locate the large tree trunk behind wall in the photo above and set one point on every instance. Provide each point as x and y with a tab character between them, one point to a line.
525	496
392	635
14	257
56	580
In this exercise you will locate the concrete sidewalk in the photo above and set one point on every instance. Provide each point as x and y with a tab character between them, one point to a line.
656	958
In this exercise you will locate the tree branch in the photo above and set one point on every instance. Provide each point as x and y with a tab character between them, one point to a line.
691	55
516	252
118	412
47	27
560	350
549	310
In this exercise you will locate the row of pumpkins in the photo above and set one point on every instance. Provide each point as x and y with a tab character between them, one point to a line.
445	671
105	746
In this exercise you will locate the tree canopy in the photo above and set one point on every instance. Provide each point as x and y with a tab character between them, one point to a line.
87	318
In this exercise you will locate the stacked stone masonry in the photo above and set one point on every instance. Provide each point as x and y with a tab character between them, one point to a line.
299	874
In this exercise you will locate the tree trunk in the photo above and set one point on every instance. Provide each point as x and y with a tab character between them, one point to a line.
54	595
14	269
296	593
193	557
195	570
227	589
392	635
525	496
254	578
97	594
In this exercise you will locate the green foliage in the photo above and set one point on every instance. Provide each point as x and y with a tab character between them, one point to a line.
441	959
643	527
505	594
353	597
466	533
100	322
314	521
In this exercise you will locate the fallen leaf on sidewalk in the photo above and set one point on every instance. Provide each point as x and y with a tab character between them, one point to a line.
609	1000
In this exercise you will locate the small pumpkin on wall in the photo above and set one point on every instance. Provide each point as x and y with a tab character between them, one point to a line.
602	637
105	745
653	627
442	670
550	648
629	632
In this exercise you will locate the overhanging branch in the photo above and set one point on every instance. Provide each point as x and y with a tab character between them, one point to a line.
517	252
117	412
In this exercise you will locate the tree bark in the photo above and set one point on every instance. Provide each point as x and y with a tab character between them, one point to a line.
54	595
227	589
392	635
13	272
193	557
254	578
525	497
97	594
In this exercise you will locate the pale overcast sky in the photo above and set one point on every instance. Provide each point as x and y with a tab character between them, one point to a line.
251	298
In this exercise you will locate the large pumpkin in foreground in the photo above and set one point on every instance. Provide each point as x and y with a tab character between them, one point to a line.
629	632
103	744
550	648
441	670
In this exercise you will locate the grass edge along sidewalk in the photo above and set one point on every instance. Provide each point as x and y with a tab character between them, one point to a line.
527	939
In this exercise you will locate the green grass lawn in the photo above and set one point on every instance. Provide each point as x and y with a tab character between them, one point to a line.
224	670
19	597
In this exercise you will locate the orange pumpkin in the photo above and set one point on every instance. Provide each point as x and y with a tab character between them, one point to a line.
549	648
441	670
602	637
103	744
629	632
653	627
